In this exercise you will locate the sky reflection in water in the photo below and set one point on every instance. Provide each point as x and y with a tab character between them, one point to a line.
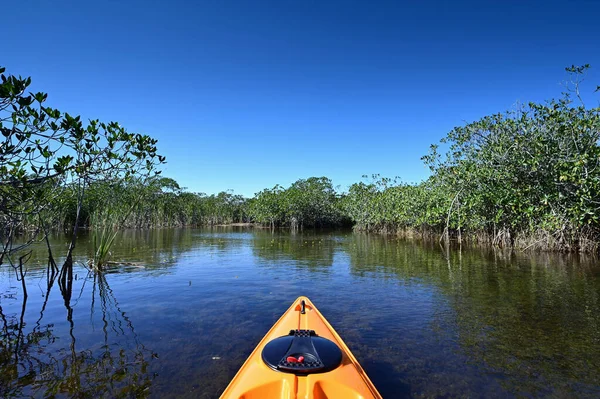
190	305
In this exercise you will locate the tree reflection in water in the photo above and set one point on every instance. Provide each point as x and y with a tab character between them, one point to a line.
35	363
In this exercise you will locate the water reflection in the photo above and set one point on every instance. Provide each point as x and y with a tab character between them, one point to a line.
424	320
308	249
531	319
46	359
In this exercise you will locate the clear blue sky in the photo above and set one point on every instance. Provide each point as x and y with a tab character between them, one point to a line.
246	94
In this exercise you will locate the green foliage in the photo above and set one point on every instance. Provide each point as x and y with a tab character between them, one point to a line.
529	169
103	241
386	205
47	155
533	171
267	206
160	202
311	202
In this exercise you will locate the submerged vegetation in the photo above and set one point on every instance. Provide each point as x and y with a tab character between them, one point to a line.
528	178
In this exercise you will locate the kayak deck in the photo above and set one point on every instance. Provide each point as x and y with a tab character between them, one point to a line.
256	380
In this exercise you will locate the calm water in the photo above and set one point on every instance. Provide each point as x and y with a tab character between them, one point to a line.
179	318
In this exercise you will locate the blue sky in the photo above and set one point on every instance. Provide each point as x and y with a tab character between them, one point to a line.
243	94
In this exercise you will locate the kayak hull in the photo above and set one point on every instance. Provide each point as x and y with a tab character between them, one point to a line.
256	380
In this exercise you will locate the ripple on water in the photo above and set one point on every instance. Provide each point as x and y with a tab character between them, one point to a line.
182	316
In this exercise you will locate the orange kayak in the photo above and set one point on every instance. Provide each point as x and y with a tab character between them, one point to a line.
301	357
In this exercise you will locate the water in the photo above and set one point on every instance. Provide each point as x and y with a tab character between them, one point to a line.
187	306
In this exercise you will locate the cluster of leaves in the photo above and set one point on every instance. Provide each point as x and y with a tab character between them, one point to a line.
534	169
42	143
388	205
311	202
143	203
161	202
44	152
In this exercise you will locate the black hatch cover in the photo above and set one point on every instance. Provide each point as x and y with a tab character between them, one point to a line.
302	352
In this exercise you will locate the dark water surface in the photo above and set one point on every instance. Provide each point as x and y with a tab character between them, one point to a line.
190	305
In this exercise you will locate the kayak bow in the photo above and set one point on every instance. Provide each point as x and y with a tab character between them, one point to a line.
301	357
